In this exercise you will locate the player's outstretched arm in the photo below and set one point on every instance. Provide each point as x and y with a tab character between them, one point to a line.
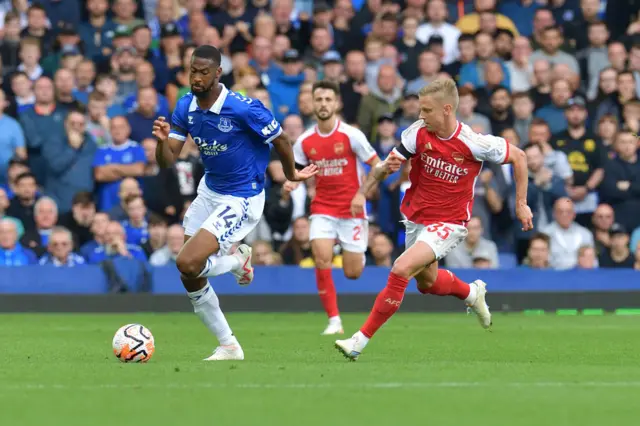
284	147
168	148
380	171
518	159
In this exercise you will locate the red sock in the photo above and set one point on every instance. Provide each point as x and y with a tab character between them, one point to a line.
448	284
327	292
387	303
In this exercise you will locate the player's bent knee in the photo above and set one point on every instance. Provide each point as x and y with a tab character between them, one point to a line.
353	273
189	266
401	269
323	263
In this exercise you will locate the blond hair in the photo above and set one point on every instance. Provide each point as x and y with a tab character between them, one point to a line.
443	89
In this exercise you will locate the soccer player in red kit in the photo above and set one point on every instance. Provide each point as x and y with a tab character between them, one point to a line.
446	159
338	208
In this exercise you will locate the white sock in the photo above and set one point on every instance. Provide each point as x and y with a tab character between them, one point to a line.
207	307
218	265
335	320
473	294
362	339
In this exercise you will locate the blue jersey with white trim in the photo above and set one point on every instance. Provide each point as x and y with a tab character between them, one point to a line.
234	138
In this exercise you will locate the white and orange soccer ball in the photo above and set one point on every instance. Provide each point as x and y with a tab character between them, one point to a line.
133	343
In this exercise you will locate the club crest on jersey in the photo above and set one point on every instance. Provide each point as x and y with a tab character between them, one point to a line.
225	125
313	151
458	157
338	148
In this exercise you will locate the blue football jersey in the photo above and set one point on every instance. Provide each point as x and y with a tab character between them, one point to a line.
127	153
234	138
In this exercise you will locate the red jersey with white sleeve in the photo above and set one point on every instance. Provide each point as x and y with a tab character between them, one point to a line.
337	156
444	171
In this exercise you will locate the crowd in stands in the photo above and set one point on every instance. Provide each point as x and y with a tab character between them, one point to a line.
83	81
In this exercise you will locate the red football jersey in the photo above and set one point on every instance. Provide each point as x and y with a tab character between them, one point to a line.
444	172
340	174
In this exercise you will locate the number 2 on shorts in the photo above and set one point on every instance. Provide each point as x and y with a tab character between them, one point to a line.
357	230
441	231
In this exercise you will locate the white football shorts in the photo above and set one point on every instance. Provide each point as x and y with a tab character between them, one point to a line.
352	233
227	217
440	236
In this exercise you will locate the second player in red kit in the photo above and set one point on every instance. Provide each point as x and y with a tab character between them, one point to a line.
338	208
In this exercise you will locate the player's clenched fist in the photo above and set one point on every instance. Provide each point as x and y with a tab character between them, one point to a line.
161	129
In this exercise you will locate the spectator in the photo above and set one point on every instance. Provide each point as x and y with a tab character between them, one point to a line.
157	234
462	256
520	67
552	40
85	73
285	86
60	249
10	47
586	158
78	221
11	139
429	67
354	88
538	252
541	92
298	248
473	73
141	120
381	251
30	55
554	160
4	205
12	253
64	83
38	125
189	170
136	226
125	13
125	158
45	215
382	99
607	131
179	81
614	103
553	113
501	116
107	84
566	236
21	206
15	169
410	47
97	33
620	186
482	260
69	157
23	96
167	254
115	247
470	23
146	75
617	56
436	24
98	232
587	258
594	58
263	254
168	202
544	189
523	115
619	255
603	219
97	121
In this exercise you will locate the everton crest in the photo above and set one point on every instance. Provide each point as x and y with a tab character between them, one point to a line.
225	125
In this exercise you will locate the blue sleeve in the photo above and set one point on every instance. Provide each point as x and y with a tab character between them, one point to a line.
261	122
468	75
100	158
178	120
138	154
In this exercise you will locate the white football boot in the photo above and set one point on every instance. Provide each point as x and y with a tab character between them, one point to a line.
334	327
479	306
244	275
352	347
227	353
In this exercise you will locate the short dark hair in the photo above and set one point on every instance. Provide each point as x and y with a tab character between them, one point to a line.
542	237
25	175
156	220
500	88
208	52
557	28
83	198
521	95
324	84
131	198
466	37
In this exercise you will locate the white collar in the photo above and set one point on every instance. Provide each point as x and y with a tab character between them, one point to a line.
217	105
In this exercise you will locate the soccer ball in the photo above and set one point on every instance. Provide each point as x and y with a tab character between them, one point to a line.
133	343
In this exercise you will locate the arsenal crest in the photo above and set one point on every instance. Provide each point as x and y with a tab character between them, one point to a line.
458	157
338	148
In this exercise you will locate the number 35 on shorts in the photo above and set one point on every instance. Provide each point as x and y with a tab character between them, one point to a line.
440	229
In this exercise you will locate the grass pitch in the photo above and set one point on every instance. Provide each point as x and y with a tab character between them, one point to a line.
419	370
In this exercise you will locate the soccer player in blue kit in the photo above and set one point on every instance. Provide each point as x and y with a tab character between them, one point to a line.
234	134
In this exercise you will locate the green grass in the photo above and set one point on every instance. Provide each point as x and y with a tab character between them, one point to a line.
419	370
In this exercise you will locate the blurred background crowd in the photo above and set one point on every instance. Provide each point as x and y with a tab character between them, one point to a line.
83	80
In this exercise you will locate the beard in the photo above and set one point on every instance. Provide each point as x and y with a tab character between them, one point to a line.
202	91
323	114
